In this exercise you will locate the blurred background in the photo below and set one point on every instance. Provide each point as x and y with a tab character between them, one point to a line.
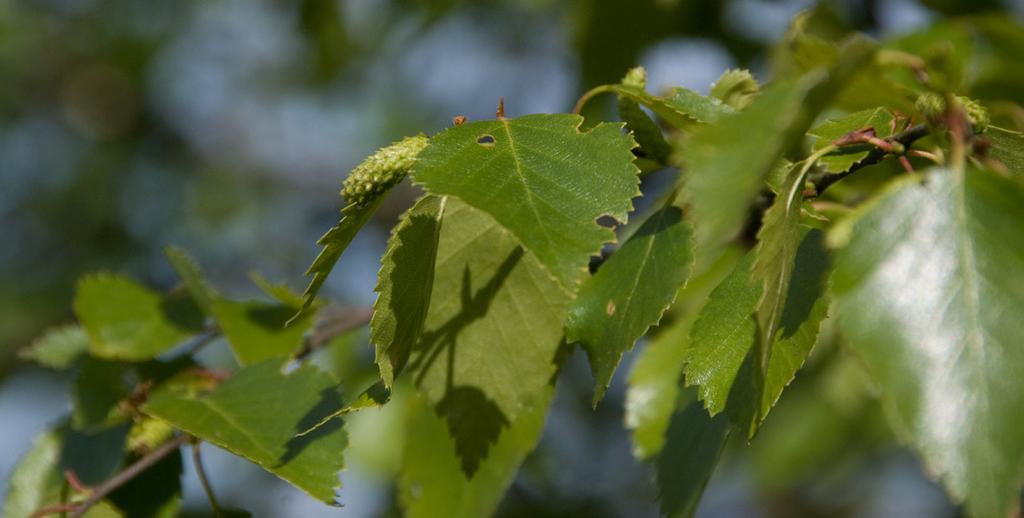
227	126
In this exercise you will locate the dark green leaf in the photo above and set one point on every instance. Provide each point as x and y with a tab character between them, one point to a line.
630	291
542	179
257	414
403	285
58	347
127	321
154	493
98	388
927	287
693	443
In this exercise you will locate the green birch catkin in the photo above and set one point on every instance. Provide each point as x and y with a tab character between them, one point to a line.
382	170
647	134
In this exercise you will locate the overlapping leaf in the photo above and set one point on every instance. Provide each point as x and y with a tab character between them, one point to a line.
727	161
127	321
927	285
655	383
404	285
720	357
617	305
258	414
491	332
542	179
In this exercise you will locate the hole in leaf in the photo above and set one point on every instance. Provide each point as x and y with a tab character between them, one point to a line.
485	141
607	221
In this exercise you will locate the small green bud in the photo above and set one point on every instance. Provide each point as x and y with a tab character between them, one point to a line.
148	433
382	170
736	87
636	77
932	106
976	113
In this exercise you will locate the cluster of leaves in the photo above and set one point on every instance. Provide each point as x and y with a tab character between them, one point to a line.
490	280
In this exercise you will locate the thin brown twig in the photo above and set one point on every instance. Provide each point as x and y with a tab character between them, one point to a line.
332	326
905	138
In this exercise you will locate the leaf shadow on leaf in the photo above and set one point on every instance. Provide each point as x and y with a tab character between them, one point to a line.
313	426
474	421
694	441
94	456
807	284
182	311
271	317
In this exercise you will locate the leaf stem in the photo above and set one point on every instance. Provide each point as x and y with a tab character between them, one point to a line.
197	461
904	138
593	92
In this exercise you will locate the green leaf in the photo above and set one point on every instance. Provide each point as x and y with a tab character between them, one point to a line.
720	357
256	330
655	386
404	285
127	321
278	291
257	414
693	444
681	108
777	243
1007	147
192	277
927	286
630	291
37	481
655	382
736	88
542	179
727	162
878	118
99	387
58	348
698	107
492	330
334	243
432	482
